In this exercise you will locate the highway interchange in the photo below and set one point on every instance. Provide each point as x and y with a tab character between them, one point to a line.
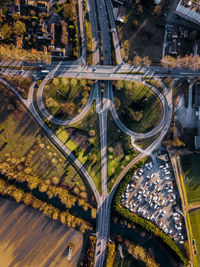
106	72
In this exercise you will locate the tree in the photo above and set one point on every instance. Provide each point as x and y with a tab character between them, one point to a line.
64	35
126	47
19	28
6	31
51	103
137	115
93	213
119	84
69	11
146	61
68	108
135	24
137	61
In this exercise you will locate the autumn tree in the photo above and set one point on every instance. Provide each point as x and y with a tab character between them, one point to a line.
137	61
19	28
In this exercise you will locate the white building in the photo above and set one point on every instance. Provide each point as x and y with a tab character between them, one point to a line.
189	9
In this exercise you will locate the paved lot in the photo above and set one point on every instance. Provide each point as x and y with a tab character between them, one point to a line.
152	195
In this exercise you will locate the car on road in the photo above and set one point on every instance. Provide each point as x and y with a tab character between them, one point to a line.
93	70
44	71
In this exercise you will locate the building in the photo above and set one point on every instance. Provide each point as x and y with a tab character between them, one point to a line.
197	142
190	10
43	5
121	14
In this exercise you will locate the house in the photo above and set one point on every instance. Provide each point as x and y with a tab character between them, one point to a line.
121	14
43	5
189	10
58	52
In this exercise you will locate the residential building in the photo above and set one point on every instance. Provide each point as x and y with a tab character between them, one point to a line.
43	5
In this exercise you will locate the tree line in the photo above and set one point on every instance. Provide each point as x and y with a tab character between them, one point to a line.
111	254
13	171
29	200
188	61
10	52
88	259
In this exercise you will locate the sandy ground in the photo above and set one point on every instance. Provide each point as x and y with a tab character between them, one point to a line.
29	238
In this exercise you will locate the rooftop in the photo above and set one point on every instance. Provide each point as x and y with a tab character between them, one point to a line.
189	9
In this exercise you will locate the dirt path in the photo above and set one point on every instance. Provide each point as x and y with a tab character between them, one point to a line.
29	238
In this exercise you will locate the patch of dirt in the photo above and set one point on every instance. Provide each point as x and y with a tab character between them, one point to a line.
118	151
29	239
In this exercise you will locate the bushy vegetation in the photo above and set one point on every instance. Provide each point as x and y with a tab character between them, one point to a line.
83	140
111	254
65	97
16	170
139	253
147	225
28	199
88	259
140	108
120	150
139	61
21	84
188	61
9	52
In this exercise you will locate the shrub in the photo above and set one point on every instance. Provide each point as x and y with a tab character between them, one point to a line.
111	254
135	24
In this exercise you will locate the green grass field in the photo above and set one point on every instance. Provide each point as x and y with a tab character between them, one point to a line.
21	137
194	219
135	97
120	151
154	82
21	84
191	168
146	38
144	143
91	157
65	97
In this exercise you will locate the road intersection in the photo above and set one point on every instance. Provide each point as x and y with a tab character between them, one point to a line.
105	72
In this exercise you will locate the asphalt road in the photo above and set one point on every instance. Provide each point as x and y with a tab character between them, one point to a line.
104	29
95	33
115	38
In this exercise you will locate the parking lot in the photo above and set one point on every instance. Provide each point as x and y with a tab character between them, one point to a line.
152	194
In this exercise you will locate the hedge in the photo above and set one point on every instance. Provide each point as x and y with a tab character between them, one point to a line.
111	254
